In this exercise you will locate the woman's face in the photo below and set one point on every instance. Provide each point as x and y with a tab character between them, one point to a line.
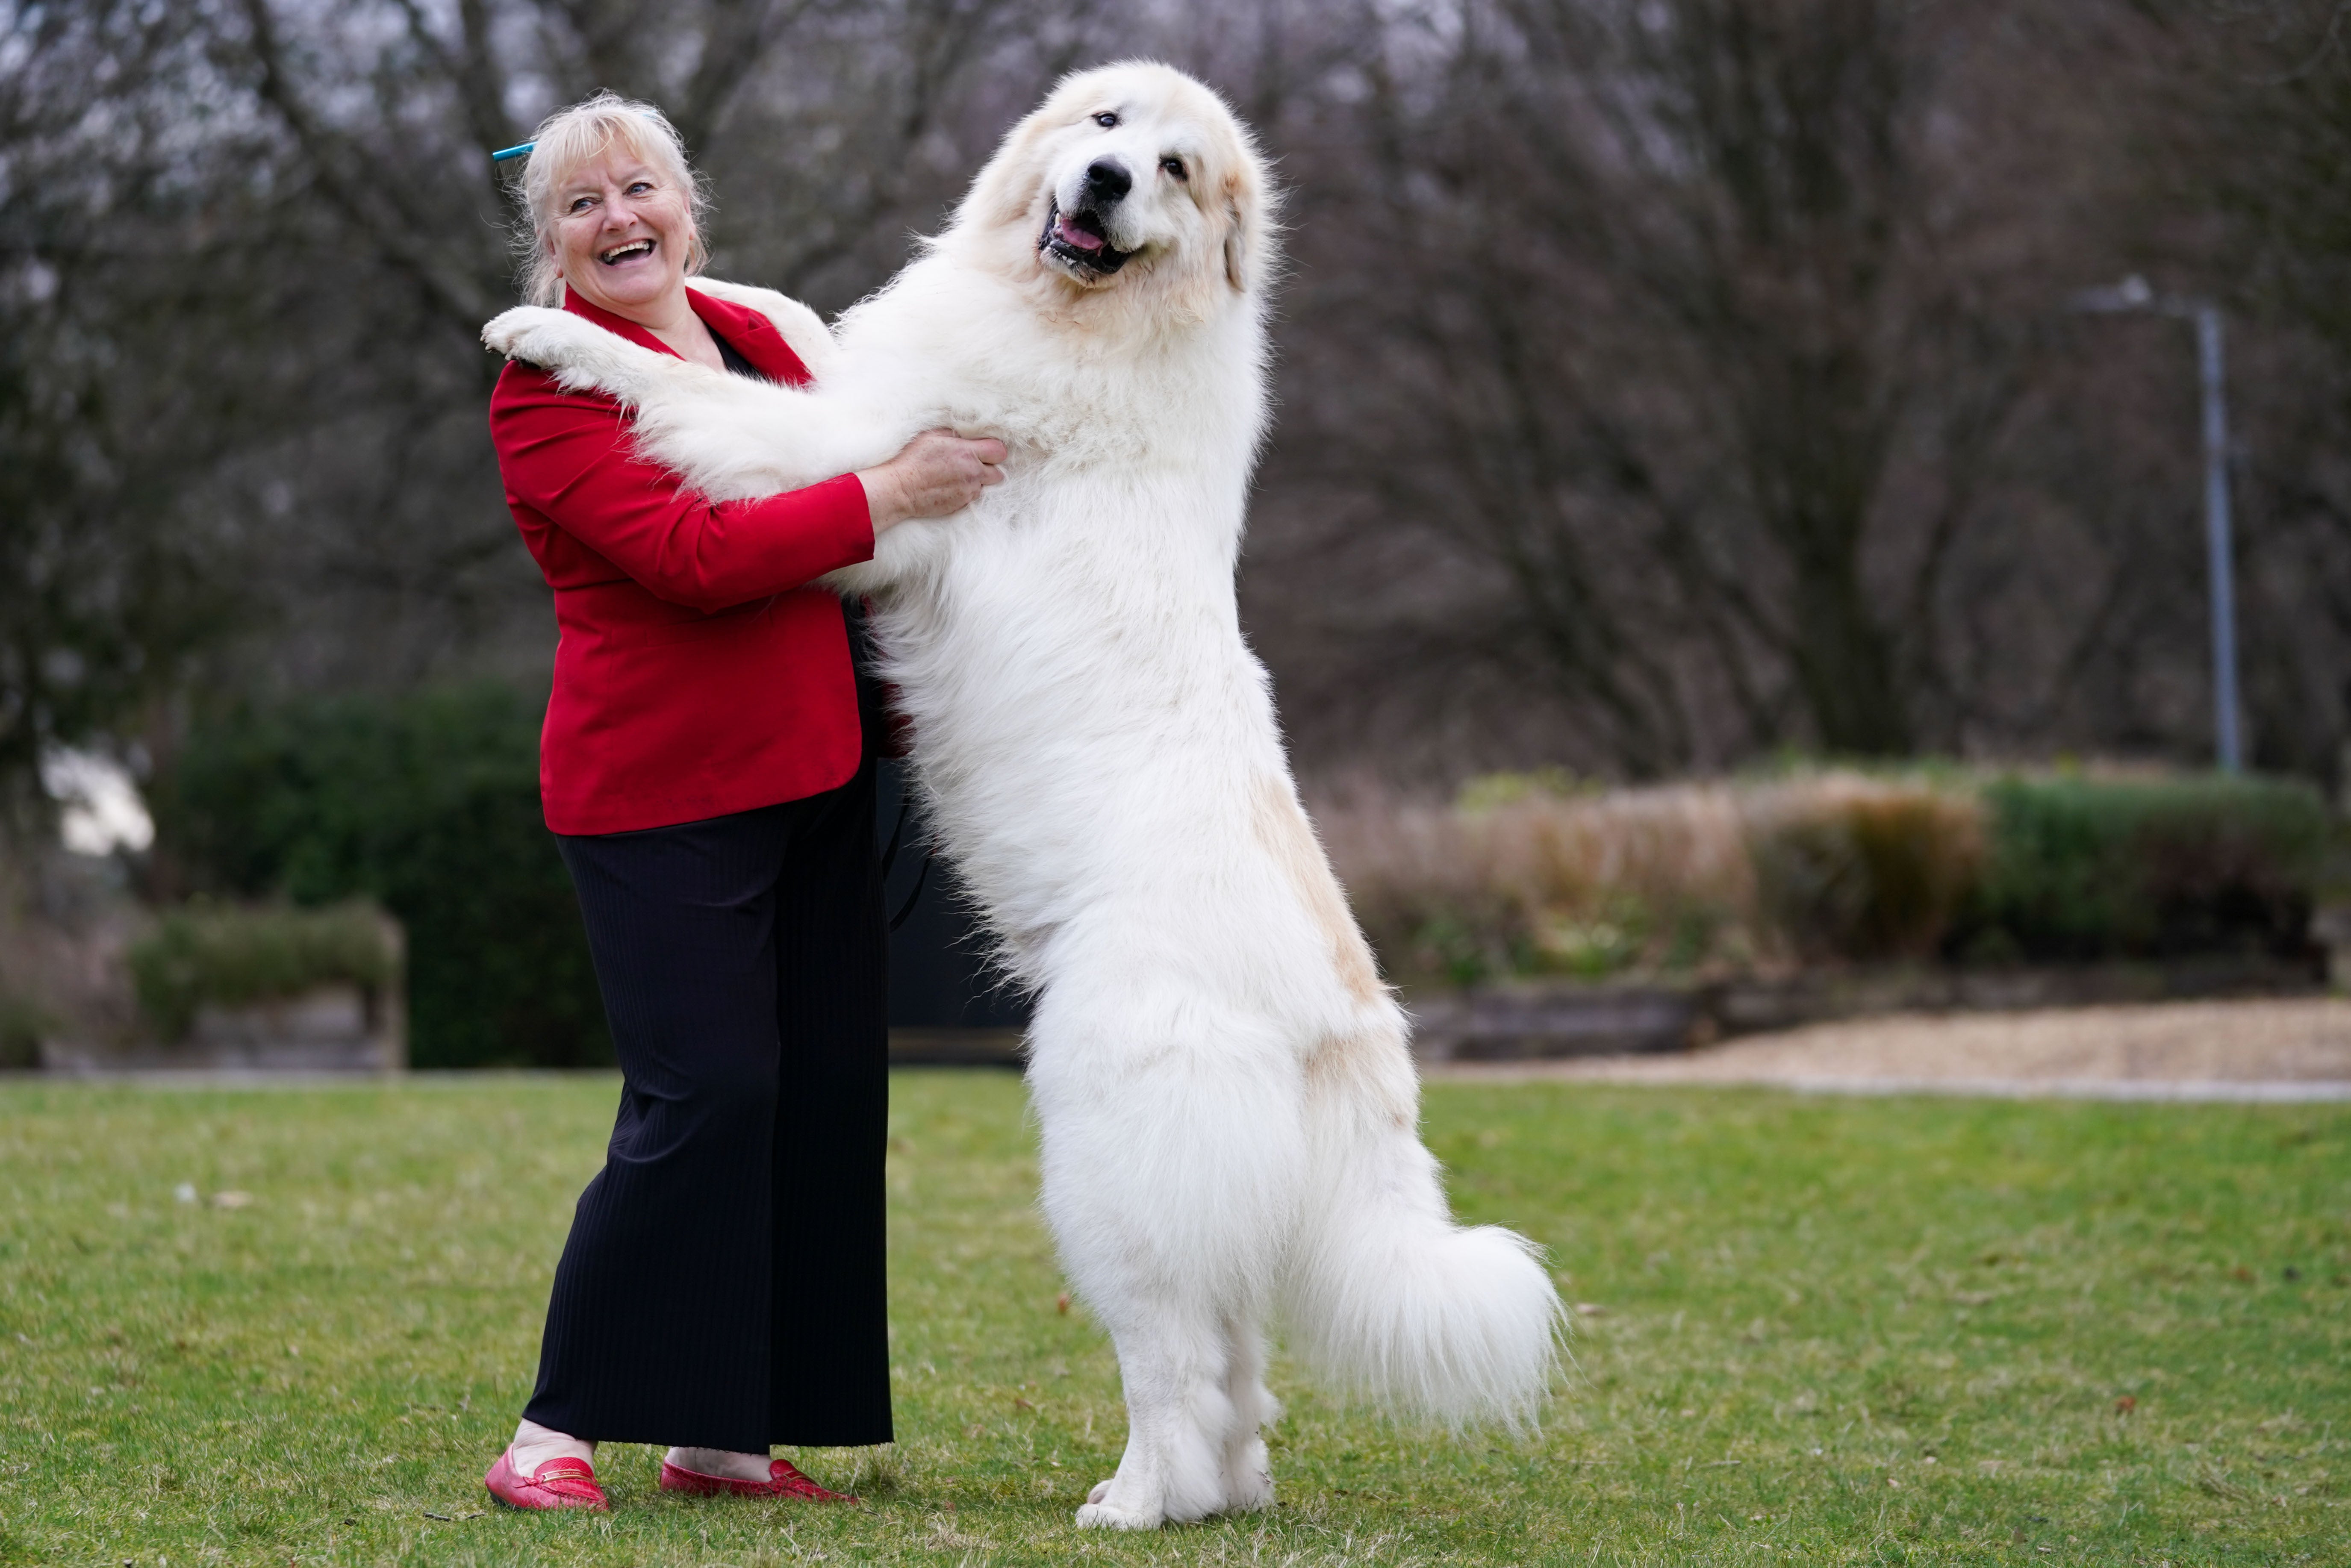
621	234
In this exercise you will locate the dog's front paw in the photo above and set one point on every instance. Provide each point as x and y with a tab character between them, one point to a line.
532	333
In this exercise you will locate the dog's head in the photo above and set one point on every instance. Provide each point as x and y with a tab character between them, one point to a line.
1133	178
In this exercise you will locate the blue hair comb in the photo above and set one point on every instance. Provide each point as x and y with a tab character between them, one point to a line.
504	154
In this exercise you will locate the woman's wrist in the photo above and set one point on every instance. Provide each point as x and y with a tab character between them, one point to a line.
884	506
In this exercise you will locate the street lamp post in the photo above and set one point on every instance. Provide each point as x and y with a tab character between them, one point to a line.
2133	294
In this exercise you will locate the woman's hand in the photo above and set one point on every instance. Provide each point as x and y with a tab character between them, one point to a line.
937	475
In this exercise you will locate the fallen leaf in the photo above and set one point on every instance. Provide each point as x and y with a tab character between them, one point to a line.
2126	1405
1591	1310
231	1199
1021	1404
1062	1303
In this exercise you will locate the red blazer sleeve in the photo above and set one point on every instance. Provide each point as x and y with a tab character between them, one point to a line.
569	457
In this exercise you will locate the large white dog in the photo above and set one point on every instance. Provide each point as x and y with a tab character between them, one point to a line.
1228	1105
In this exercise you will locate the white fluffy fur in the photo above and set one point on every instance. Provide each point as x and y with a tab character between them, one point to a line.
1228	1104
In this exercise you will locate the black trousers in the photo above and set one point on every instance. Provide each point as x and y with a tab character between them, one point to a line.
722	1285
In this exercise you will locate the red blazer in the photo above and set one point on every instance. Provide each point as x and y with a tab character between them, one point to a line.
696	673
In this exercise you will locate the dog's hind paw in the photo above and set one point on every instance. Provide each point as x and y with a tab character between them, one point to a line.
1103	1516
1249	1493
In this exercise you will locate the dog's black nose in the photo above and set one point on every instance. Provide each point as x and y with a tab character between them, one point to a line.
1106	182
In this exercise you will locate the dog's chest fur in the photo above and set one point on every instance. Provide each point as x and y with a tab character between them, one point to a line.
1088	720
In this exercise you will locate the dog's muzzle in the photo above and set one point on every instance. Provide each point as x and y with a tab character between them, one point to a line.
1079	239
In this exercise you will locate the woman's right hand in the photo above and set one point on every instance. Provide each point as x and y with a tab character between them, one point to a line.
937	475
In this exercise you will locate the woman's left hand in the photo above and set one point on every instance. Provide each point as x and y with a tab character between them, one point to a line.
937	475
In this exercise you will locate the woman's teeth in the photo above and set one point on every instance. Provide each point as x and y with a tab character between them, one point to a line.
624	252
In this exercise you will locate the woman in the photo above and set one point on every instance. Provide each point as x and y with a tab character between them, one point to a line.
706	772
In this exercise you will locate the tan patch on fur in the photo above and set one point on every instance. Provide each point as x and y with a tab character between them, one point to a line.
1376	1065
1282	828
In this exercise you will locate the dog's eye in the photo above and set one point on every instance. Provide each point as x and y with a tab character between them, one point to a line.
1174	166
1106	121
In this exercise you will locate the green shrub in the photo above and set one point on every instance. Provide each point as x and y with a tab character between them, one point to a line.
22	1025
428	804
231	957
2086	867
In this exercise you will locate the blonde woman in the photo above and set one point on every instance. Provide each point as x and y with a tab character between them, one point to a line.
708	772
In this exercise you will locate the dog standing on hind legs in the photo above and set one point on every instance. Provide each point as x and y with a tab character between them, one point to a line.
1227	1101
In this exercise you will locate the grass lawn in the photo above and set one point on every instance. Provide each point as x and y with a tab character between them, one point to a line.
1824	1331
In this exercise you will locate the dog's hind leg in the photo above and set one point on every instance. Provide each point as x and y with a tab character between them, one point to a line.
1249	1471
1171	1157
1171	1361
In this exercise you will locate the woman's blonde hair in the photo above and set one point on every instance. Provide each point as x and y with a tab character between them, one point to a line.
573	136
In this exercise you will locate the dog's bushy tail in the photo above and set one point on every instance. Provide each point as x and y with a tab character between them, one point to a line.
1391	1301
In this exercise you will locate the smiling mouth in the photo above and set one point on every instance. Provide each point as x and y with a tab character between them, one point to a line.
629	252
1076	240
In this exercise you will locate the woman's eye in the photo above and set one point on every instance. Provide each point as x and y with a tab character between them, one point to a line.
1105	120
582	203
1174	166
640	187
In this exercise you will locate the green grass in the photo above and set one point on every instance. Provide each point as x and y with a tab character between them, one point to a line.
1833	1331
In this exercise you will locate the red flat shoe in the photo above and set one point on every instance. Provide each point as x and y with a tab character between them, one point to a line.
556	1483
783	1481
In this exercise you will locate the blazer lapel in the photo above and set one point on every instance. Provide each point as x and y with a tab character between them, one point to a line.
753	336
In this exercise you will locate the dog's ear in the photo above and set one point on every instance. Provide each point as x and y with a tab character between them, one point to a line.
1007	187
1235	249
1240	224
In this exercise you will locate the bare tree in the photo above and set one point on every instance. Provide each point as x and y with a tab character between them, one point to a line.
1662	380
110	575
1678	306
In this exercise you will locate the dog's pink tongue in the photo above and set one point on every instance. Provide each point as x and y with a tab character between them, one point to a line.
1073	234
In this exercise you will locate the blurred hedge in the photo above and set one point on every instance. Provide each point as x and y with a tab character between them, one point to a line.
230	956
428	804
2083	867
1531	874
